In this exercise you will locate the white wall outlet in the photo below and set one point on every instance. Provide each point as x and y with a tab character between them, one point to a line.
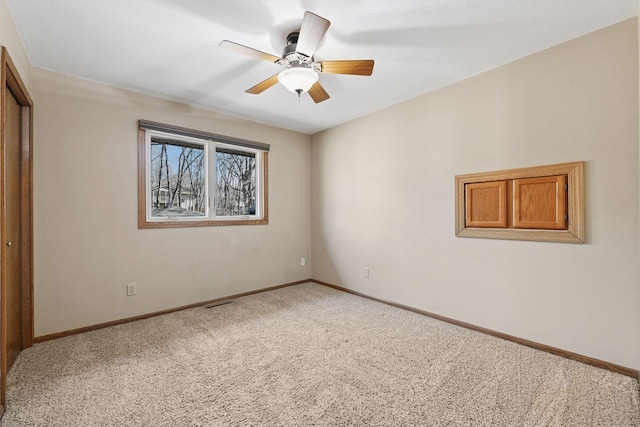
131	289
303	261
366	272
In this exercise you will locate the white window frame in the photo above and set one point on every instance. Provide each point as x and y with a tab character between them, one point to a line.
194	141
210	143
259	183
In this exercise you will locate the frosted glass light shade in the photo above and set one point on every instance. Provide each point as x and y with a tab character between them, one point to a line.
298	80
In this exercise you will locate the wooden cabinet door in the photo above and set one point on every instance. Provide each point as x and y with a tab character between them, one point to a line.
486	204
540	203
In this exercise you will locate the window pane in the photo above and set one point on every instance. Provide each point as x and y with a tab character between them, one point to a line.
178	179
235	182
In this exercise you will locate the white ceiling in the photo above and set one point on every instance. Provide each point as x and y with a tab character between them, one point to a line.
169	48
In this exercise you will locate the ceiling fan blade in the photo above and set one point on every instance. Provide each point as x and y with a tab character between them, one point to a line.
311	33
318	94
362	67
244	50
263	85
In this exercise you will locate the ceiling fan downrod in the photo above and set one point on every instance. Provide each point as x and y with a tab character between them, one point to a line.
292	43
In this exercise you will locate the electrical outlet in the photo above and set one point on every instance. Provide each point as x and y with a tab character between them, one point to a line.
303	261
131	289
366	272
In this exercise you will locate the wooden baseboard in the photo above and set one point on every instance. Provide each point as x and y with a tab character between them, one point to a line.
90	328
553	350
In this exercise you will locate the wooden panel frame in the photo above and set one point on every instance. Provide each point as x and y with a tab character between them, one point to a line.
575	228
11	81
502	221
142	194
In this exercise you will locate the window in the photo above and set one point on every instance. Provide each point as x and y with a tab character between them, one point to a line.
190	178
543	203
235	182
178	178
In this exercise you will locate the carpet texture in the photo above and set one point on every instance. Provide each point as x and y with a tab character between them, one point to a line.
301	356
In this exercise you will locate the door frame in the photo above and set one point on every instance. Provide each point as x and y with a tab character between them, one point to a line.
11	81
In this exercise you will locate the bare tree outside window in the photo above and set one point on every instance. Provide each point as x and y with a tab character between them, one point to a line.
235	182
178	179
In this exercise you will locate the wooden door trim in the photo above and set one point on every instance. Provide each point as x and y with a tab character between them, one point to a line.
10	81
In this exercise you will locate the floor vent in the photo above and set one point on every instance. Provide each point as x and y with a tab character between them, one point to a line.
218	304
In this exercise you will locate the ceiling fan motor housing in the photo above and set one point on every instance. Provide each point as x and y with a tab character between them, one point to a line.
301	71
292	38
291	58
288	50
292	43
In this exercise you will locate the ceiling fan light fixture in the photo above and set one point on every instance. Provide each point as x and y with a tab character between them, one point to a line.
298	79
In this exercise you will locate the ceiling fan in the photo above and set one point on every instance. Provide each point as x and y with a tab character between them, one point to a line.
301	73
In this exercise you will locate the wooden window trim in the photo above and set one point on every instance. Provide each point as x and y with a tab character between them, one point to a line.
142	191
575	229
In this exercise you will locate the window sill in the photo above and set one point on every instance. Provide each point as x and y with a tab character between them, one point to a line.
204	223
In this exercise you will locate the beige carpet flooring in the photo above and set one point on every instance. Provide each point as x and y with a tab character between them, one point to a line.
306	355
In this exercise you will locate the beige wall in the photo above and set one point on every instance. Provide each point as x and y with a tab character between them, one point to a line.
383	197
87	243
10	39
